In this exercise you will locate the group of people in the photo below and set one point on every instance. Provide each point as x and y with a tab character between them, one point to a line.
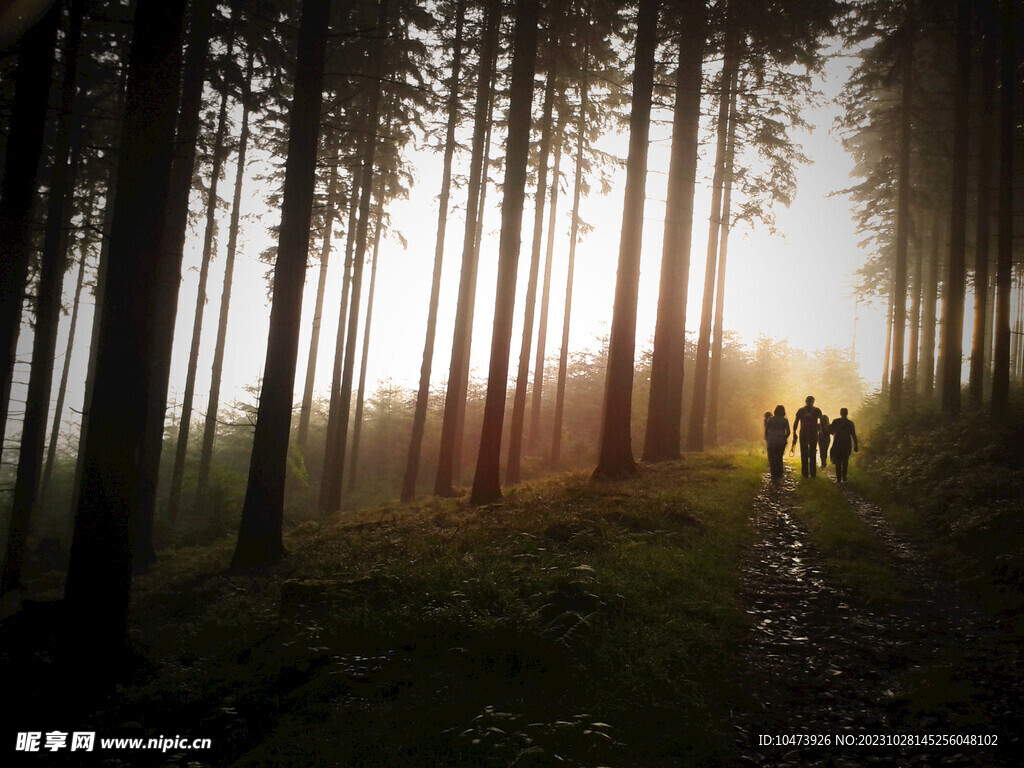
814	432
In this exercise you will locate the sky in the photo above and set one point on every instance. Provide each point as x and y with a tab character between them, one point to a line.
796	284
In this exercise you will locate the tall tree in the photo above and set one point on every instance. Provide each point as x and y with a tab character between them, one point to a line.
953	291
615	458
664	412
259	536
100	567
419	419
1004	255
18	189
213	401
458	370
487	481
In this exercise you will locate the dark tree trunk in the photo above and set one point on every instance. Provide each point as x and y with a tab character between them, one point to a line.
458	371
259	536
1004	254
328	489
664	411
926	369
953	291
986	139
903	223
915	317
887	357
213	402
537	395
318	306
574	234
48	305
486	481
615	459
357	426
695	430
18	188
715	372
419	419
100	568
185	421
513	472
166	305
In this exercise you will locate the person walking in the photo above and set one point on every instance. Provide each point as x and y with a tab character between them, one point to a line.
844	436
805	429
776	434
824	436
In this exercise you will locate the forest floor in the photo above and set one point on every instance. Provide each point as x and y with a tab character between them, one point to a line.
672	620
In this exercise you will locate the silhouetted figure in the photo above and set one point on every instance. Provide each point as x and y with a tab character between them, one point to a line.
776	433
805	429
844	437
823	438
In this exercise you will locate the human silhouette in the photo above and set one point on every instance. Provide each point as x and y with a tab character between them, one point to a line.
823	438
776	433
844	436
805	429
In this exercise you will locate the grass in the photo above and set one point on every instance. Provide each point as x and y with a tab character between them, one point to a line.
852	553
576	623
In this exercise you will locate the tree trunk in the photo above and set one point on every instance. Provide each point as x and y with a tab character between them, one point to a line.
915	318
329	489
903	223
100	568
334	474
259	536
166	304
213	402
185	421
419	419
486	481
545	304
931	296
318	308
715	373
18	188
458	371
986	138
664	410
1004	255
357	427
887	357
615	458
695	431
48	305
574	233
953	291
513	472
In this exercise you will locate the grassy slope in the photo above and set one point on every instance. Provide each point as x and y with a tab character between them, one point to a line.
592	621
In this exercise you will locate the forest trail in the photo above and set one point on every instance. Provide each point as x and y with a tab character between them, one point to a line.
822	662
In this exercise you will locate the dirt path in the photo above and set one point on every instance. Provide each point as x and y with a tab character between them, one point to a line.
821	664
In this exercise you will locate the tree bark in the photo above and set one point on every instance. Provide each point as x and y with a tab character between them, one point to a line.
664	410
458	370
18	188
260	536
100	568
185	421
48	305
953	291
213	401
615	459
695	430
419	419
318	307
926	368
1004	254
486	481
915	317
513	472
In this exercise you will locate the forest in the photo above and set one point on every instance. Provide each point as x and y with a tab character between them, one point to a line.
369	394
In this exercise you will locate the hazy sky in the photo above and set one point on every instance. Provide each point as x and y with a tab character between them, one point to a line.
795	285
